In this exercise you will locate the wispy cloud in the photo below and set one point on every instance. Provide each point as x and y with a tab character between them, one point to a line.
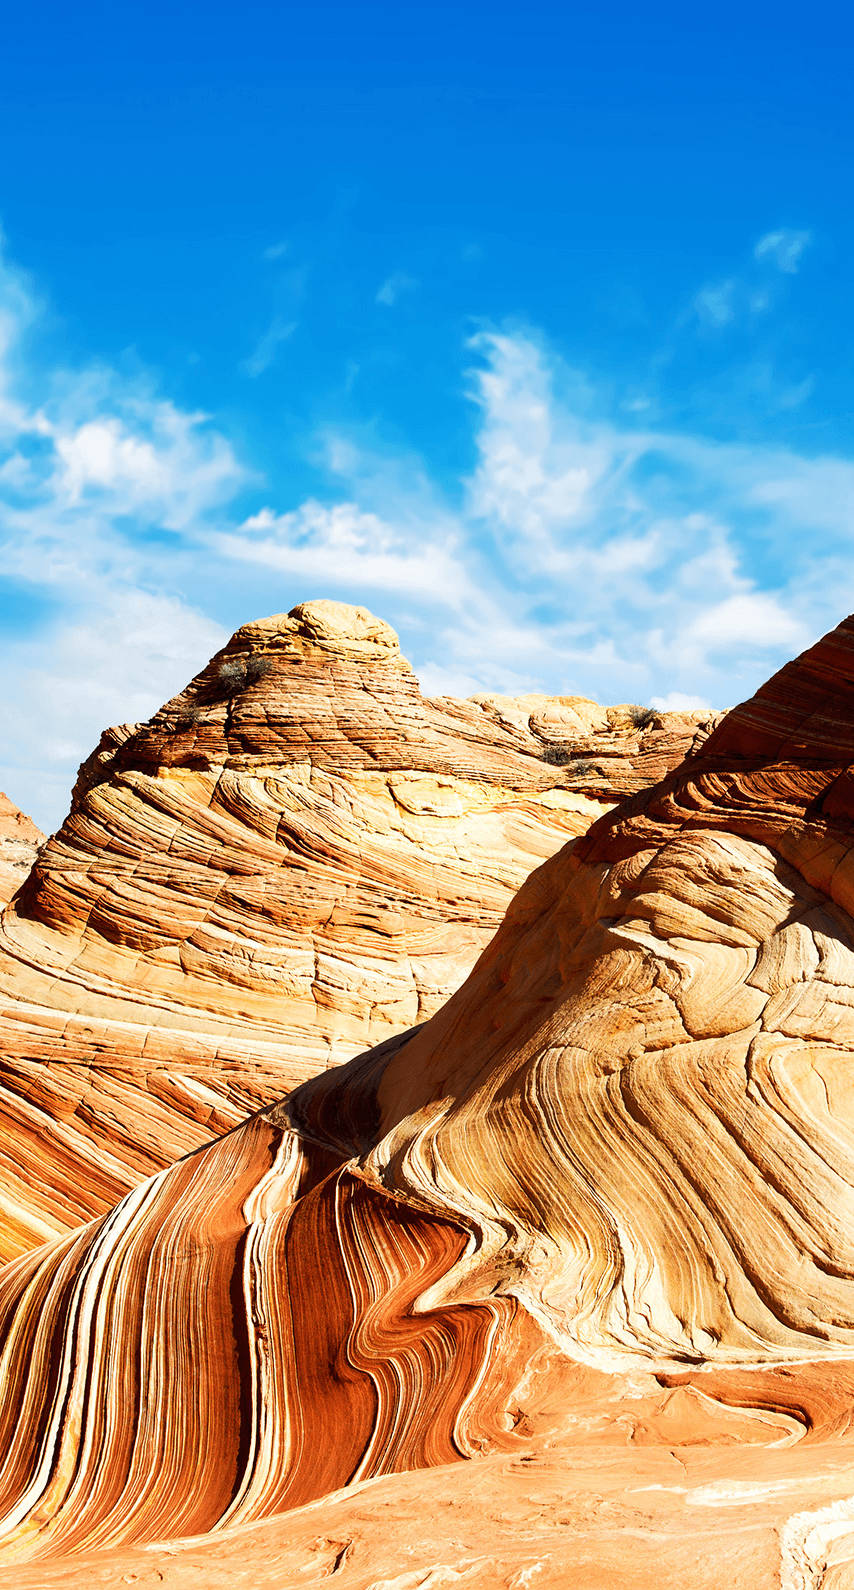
90	467
586	549
267	347
276	251
342	545
576	554
678	701
755	289
716	304
783	249
394	288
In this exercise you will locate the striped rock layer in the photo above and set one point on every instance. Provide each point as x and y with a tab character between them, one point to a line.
604	1198
20	841
295	858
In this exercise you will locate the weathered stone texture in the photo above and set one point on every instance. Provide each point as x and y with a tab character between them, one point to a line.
295	858
591	1227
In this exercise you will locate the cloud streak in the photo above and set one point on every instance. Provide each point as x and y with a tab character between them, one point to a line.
784	249
266	349
394	288
576	555
755	289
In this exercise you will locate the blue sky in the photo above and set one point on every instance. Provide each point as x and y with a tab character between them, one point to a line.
528	327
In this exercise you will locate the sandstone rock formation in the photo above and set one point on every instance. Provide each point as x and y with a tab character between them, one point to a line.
591	1227
20	841
295	858
648	1487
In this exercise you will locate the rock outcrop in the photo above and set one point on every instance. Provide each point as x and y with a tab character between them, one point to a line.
603	1201
20	842
637	1485
297	857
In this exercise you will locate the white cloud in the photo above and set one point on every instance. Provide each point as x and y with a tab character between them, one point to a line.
101	454
435	680
754	290
716	304
276	251
540	469
267	347
679	701
394	287
114	663
577	558
154	460
341	547
599	535
587	551
783	249
746	622
90	466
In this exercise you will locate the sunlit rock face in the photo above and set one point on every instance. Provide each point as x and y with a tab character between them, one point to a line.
20	841
592	1224
295	858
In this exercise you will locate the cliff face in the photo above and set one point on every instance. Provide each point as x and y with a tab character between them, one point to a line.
295	858
603	1199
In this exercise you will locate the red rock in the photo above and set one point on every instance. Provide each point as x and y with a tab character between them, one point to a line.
589	1228
297	857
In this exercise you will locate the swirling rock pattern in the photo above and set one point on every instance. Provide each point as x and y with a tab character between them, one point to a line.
233	1346
601	1203
642	1485
295	858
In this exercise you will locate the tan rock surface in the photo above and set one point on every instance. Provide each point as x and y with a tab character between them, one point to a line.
296	857
721	1501
20	841
590	1228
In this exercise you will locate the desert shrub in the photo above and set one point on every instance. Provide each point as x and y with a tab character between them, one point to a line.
642	717
559	756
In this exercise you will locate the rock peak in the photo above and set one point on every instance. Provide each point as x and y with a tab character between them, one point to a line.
336	626
296	857
336	621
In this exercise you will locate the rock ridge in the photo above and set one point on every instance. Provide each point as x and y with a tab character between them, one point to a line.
594	1218
296	857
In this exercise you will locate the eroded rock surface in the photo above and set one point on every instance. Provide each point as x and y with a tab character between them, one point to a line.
595	1216
641	1486
295	858
20	842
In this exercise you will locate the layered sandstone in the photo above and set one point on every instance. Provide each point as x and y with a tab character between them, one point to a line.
295	858
20	842
591	1225
640	1486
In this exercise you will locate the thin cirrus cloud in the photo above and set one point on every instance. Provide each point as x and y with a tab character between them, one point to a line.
716	304
394	288
574	555
784	249
755	289
266	349
341	542
585	551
